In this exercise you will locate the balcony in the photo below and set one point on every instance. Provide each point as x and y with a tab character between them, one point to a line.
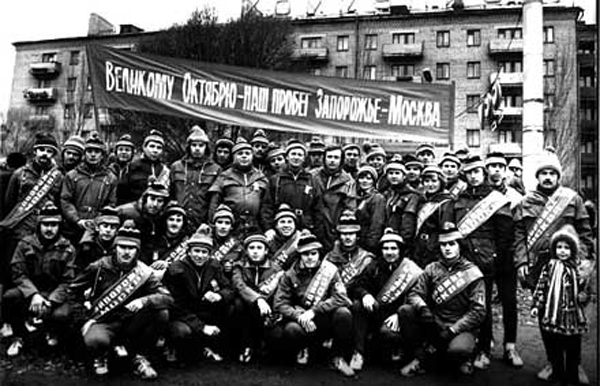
318	53
509	149
407	78
509	111
398	51
41	95
507	78
588	159
45	69
506	46
588	93
589	126
585	60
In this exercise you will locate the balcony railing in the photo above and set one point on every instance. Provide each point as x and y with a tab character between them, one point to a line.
43	95
509	148
589	126
320	53
588	92
506	46
507	78
45	69
394	51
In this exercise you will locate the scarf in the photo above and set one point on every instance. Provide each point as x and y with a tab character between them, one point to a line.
561	306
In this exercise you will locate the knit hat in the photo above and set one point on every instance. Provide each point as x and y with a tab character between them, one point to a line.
49	213
366	169
154	136
394	166
202	237
125	140
432	169
256	237
472	163
449	232
549	161
375	151
349	146
348	222
495	158
155	188
173	207
423	148
316	146
241	144
390	235
76	143
108	215
284	210
259	137
515	164
449	157
224	142
307	242
223	211
462	151
45	140
94	142
411	160
568	234
295	144
197	135
275	151
128	235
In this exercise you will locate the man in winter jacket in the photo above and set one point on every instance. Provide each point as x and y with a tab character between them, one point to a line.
72	153
192	176
370	210
97	244
124	151
87	189
41	267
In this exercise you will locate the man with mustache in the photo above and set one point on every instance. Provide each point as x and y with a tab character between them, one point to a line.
541	212
72	153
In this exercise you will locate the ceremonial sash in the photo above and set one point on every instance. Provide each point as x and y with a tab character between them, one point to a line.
319	284
268	286
481	212
458	188
121	291
427	210
224	249
402	279
355	266
33	198
178	252
553	210
283	253
454	284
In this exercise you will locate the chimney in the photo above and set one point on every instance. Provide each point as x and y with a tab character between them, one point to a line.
99	26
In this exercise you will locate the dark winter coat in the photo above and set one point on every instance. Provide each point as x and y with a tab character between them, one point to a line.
370	214
148	226
401	210
135	179
426	246
247	278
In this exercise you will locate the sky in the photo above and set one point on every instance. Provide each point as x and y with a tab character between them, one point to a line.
30	20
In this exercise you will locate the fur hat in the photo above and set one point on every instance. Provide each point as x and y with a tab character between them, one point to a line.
94	142
549	161
108	215
308	242
472	163
284	210
197	135
390	235
45	140
125	140
348	222
449	232
154	136
74	142
49	213
259	137
128	235
223	211
241	144
202	237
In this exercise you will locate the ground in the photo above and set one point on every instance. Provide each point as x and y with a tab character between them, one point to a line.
42	367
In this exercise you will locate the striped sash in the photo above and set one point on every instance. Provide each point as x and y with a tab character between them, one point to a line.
224	249
355	266
282	255
402	279
427	210
454	284
319	284
481	212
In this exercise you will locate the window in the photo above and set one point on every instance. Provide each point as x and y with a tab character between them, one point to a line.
588	110
49	57
343	42
473	70
509	66
548	67
510	33
74	60
443	39
442	71
370	72
314	42
472	103
41	110
548	101
473	37
586	80
341	71
512	100
505	136
403	70
71	84
473	138
315	71
370	42
548	34
69	111
43	83
588	146
403	38
88	110
588	182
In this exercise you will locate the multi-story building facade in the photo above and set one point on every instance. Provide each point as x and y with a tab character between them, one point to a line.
470	47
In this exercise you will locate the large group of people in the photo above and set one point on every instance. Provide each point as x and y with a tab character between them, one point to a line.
245	249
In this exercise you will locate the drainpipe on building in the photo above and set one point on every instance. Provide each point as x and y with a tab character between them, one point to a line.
356	47
533	90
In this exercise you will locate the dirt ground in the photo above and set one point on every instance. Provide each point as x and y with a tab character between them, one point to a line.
47	368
